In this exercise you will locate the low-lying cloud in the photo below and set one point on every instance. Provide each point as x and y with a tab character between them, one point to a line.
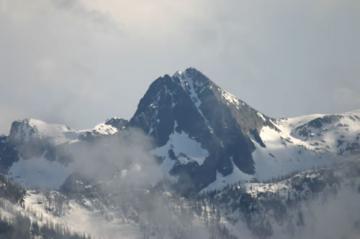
128	174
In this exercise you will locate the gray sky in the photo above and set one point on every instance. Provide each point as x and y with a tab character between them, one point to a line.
80	62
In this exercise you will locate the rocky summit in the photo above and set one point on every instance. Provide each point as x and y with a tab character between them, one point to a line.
190	104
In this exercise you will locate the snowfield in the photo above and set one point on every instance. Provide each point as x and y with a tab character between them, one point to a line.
184	148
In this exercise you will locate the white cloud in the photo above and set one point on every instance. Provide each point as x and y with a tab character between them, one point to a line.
79	62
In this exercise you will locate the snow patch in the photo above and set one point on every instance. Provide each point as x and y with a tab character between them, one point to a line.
261	116
222	181
184	148
285	154
230	98
105	129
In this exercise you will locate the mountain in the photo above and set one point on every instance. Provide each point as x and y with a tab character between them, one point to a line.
207	137
204	137
201	161
199	128
37	153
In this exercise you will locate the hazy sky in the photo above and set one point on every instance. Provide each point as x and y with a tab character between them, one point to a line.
80	62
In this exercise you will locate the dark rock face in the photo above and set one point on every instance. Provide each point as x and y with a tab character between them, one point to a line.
306	129
117	123
189	102
26	140
11	191
23	142
76	185
21	132
8	154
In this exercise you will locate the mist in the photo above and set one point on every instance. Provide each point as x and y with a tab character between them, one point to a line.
144	206
335	217
124	175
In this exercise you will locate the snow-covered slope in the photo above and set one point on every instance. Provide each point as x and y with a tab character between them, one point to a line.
339	133
36	153
300	205
34	130
302	143
55	208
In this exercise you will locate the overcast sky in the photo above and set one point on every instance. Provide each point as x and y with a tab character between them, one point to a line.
80	62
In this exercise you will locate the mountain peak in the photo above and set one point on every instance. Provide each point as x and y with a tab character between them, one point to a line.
188	104
30	129
191	77
188	72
